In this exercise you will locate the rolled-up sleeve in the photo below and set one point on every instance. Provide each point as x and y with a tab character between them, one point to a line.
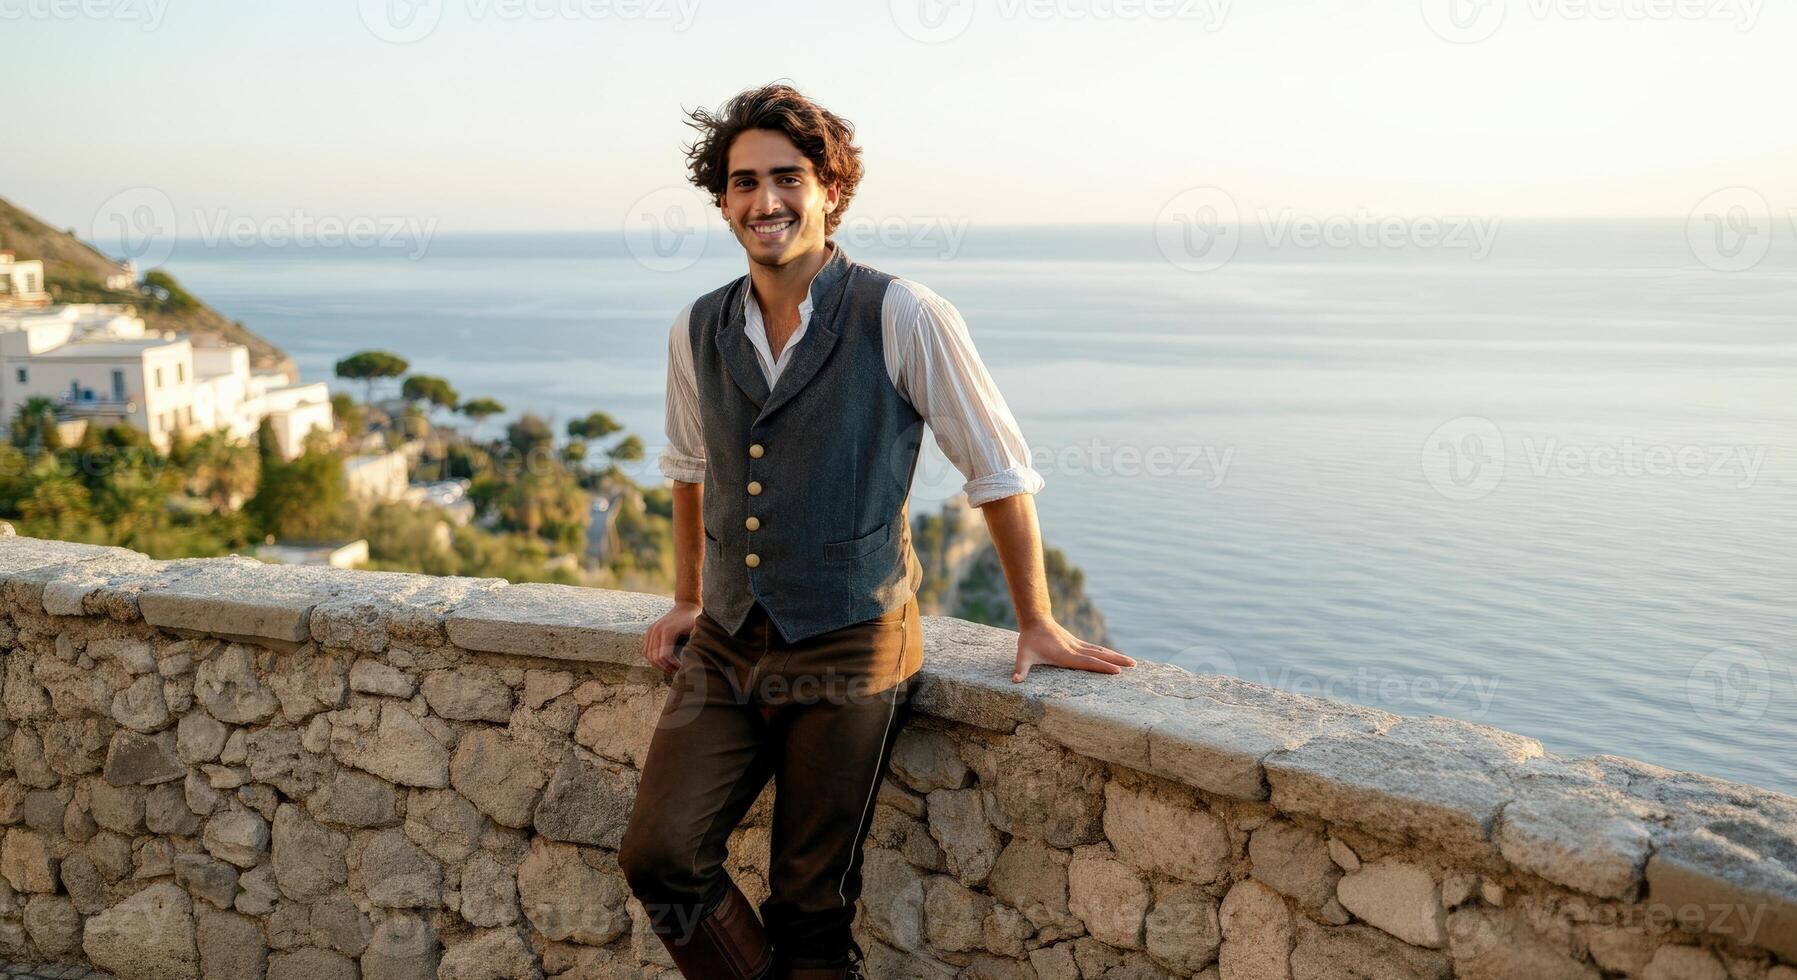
683	458
935	366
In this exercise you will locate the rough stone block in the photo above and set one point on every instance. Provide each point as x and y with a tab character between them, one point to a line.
560	621
244	598
1434	778
148	936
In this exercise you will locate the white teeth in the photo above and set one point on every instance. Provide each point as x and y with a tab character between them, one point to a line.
773	229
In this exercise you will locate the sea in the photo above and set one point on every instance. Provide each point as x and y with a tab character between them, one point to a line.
1543	479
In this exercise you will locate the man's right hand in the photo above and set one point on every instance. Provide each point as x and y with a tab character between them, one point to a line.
658	643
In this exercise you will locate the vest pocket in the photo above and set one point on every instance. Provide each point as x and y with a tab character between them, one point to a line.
864	545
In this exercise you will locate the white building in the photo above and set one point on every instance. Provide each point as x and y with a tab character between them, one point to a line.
124	279
376	476
99	363
21	283
340	554
449	496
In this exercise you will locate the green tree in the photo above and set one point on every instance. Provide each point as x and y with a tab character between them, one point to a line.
466	461
628	450
131	496
180	448
302	498
90	445
530	437
34	426
351	417
122	435
56	504
268	448
222	470
406	537
481	409
15	478
369	366
549	504
166	294
598	425
411	423
639	542
428	389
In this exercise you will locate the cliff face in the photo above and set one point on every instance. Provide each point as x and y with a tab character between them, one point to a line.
76	272
963	577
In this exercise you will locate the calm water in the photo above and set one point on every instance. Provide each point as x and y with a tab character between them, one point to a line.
1552	490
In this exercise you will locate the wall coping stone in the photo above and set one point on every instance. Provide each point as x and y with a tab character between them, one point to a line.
1606	826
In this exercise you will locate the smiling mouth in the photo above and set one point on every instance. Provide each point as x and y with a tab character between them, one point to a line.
768	230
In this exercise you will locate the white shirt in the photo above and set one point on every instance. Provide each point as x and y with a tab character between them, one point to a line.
931	360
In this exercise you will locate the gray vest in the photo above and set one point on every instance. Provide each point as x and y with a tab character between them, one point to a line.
806	485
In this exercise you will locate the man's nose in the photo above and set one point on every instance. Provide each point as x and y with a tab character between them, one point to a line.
767	203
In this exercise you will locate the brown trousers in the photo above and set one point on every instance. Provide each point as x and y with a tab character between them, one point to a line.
819	717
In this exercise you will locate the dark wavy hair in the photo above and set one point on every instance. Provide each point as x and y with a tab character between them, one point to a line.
826	139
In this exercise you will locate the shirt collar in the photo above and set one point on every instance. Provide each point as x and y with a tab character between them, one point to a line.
752	309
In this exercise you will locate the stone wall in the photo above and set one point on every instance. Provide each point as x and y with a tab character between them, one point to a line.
219	768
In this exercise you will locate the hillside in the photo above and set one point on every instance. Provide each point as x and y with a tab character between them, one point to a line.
963	577
75	272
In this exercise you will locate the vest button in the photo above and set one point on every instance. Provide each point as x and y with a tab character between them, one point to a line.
753	523
755	451
754	487
751	559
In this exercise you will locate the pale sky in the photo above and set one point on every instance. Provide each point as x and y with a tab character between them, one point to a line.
560	114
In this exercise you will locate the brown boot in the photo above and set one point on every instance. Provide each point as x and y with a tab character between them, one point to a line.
728	944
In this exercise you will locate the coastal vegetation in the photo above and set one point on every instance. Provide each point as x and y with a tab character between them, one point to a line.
532	497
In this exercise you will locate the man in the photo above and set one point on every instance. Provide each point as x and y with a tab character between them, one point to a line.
796	400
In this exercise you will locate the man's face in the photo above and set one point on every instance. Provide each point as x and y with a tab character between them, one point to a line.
772	198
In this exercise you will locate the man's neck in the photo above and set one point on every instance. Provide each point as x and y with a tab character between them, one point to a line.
779	289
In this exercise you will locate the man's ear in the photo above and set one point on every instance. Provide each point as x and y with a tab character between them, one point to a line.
830	198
